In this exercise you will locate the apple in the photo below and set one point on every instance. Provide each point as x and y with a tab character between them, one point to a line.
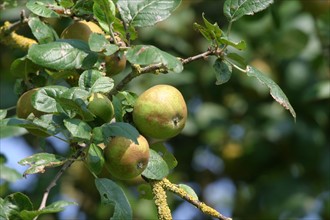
81	30
101	107
125	159
160	112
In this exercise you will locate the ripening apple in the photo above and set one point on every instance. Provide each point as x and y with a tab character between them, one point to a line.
160	112
101	107
125	159
81	30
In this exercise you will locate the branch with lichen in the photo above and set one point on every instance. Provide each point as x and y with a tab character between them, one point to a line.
164	212
10	38
167	185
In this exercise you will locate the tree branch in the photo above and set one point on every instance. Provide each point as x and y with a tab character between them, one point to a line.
58	175
167	185
164	212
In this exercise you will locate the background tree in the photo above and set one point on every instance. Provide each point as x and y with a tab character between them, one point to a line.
240	151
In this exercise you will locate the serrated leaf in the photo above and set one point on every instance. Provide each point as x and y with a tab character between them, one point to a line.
223	71
275	91
235	9
55	207
9	174
88	78
95	159
241	45
147	55
79	129
38	162
189	191
104	11
63	55
112	194
211	32
157	168
142	13
13	204
165	154
44	99
3	113
42	32
41	8
103	84
120	129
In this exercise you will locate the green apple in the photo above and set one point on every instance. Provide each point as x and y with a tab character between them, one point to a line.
81	30
101	107
125	159
160	112
24	108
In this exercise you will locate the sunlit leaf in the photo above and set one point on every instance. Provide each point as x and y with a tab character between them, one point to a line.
41	31
189	190
168	157
235	9
103	84
44	99
157	168
41	8
120	129
141	13
79	129
275	91
63	55
40	161
88	78
104	11
147	55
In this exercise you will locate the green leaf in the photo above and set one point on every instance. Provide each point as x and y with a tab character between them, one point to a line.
73	102
120	129
142	13
103	84
104	11
41	31
41	8
45	99
235	9
13	204
165	154
157	168
63	55
95	159
79	129
240	45
117	108
38	162
275	91
223	71
9	174
147	55
3	113
98	43
189	190
66	3
21	67
10	131
46	124
88	78
211	32
55	207
112	194
97	135
236	59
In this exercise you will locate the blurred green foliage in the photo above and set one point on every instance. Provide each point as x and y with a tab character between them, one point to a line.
279	169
